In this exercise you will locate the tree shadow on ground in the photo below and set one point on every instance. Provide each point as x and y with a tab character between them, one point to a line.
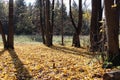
74	51
21	72
2	52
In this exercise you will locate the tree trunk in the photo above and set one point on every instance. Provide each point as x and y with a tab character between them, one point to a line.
48	27
10	38
62	32
118	7
41	22
79	24
3	36
95	25
52	21
100	11
76	40
112	21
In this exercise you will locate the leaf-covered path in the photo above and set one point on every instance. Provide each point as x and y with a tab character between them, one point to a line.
38	62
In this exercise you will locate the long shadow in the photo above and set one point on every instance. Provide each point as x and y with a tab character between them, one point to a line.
72	51
21	72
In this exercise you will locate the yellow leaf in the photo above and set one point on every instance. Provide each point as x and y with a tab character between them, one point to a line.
6	76
114	5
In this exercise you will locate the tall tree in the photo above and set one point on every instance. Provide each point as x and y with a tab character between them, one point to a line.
95	25
76	40
48	26
112	22
41	21
100	11
52	20
118	7
10	38
78	31
39	18
62	28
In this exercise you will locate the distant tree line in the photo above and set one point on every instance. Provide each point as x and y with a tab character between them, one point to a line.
27	17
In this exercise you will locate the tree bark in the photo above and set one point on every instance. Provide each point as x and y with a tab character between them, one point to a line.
76	40
52	21
41	22
48	27
100	11
10	38
112	21
95	25
79	23
118	8
62	32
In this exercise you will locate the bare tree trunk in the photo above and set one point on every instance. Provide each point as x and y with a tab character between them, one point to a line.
76	40
62	32
112	21
52	21
100	11
118	7
41	22
3	35
48	27
79	23
10	38
95	25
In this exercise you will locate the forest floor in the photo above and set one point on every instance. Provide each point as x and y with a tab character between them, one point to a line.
38	62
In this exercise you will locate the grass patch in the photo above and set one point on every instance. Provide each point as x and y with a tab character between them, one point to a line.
56	39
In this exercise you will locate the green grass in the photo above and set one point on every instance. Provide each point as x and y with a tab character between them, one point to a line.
67	39
28	39
56	39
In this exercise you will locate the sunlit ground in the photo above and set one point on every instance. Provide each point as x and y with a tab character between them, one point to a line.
31	60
